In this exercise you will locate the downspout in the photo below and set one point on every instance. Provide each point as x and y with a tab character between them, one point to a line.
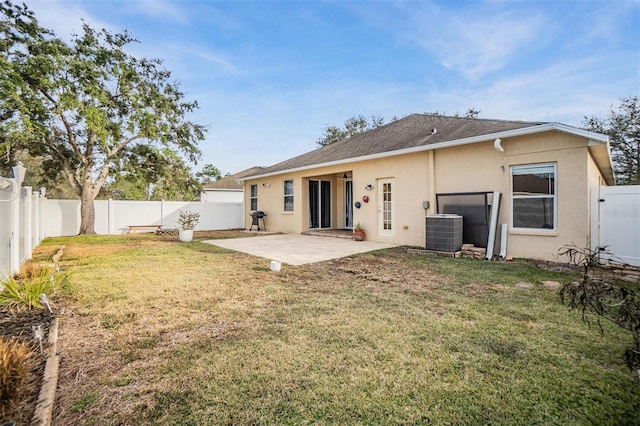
432	181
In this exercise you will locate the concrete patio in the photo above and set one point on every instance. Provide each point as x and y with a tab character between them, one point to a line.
296	249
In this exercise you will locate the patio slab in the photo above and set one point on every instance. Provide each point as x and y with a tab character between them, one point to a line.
297	249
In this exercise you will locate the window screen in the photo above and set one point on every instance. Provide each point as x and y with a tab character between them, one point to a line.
288	195
254	197
533	196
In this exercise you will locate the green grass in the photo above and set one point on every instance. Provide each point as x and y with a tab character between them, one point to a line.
194	334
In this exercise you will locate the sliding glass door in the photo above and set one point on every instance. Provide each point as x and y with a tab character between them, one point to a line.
319	204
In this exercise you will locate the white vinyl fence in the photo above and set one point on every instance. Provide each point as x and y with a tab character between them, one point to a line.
615	222
115	216
22	213
27	217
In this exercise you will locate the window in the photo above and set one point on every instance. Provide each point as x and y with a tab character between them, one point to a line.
386	206
533	196
254	197
288	195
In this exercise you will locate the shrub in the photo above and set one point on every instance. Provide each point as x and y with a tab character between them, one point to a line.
14	367
24	291
188	220
604	294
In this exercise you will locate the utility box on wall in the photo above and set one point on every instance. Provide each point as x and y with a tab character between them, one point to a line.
444	232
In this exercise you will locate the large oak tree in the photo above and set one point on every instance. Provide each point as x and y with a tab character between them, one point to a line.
86	105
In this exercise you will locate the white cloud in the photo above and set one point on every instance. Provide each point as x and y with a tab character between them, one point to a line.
478	44
160	9
473	40
65	17
218	59
565	91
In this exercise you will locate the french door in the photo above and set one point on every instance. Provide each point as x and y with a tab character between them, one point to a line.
386	213
319	204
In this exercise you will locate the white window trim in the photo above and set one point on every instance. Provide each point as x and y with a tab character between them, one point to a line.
285	195
251	197
553	230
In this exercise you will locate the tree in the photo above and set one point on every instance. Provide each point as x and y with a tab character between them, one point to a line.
208	174
38	175
359	124
152	174
623	128
471	113
352	127
87	104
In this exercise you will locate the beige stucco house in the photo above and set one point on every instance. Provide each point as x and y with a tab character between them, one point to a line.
390	178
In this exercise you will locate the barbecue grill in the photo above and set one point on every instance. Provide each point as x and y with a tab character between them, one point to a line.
255	219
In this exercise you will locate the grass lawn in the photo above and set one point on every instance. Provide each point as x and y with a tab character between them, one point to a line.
161	332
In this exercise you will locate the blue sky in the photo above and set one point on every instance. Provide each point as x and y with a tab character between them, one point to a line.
269	75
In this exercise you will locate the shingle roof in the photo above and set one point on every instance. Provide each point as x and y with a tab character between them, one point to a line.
231	182
409	132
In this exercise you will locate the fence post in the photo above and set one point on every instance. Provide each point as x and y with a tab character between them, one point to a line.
26	218
14	241
162	213
35	218
43	214
39	219
110	216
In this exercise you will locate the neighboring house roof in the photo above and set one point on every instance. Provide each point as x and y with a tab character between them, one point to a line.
231	182
423	132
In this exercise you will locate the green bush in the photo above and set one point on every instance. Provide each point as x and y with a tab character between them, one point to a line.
23	292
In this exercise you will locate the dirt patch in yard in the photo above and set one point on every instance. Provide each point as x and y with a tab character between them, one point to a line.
382	272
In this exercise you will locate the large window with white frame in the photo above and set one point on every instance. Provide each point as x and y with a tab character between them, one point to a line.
288	195
534	196
254	197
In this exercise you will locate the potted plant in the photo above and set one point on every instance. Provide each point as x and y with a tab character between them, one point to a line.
187	221
358	232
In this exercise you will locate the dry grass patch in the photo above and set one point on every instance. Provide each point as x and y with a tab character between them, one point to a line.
15	365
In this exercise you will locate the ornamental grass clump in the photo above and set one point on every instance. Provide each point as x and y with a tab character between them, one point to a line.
23	292
14	367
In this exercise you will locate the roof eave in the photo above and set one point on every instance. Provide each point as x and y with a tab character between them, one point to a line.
597	138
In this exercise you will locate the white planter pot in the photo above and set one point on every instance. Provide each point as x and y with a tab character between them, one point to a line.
185	235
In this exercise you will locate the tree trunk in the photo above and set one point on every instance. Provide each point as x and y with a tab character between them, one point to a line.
87	213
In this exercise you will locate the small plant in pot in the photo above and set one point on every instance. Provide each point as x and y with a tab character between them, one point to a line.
187	221
358	232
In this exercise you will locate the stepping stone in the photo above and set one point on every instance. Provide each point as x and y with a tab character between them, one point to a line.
551	284
523	284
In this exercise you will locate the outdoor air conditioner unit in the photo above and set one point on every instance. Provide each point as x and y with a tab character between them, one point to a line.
444	232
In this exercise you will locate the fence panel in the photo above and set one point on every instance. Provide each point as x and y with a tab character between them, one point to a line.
62	218
21	216
9	196
26	217
115	216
